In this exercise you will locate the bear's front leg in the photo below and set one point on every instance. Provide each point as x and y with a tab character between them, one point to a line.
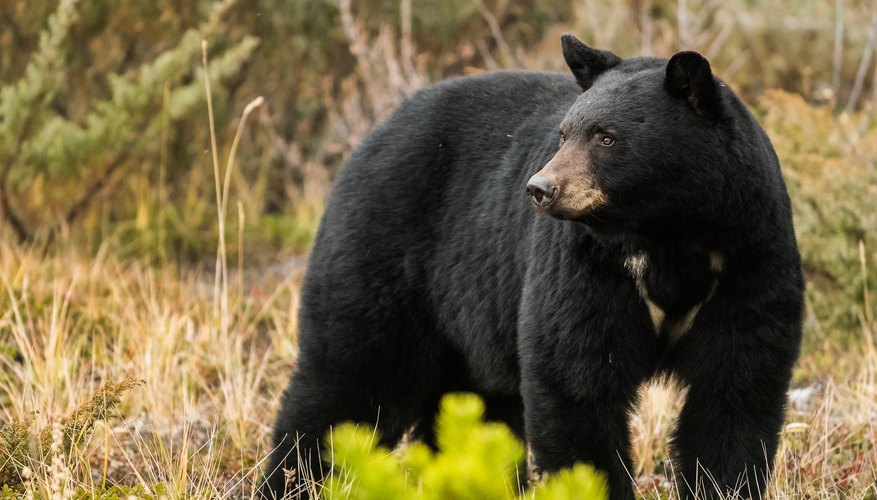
584	354
563	430
736	364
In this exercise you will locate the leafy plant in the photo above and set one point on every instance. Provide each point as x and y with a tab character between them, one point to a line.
475	460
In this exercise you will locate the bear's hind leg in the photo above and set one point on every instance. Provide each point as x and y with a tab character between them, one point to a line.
323	394
311	405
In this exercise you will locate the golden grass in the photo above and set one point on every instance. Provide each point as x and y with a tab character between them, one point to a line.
199	423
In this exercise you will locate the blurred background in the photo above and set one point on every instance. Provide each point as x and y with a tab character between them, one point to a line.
105	143
104	131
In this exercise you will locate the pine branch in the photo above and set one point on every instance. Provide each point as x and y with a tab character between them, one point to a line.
63	150
20	103
7	212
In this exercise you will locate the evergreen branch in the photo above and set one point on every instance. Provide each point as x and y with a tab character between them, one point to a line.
39	141
19	103
225	65
96	190
8	213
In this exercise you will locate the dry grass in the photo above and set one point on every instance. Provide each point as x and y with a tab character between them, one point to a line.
829	445
199	422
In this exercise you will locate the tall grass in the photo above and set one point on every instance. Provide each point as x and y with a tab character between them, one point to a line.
199	422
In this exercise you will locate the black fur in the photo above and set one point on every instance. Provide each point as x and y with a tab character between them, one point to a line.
432	273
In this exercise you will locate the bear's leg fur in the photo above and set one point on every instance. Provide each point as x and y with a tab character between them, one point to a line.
506	409
566	430
313	403
726	439
583	358
334	385
736	366
310	405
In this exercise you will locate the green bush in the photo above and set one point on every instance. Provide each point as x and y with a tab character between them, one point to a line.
63	146
475	460
27	451
828	163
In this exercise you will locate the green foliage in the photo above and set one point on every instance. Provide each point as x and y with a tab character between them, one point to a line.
294	231
56	159
828	162
14	448
24	448
576	482
368	471
475	460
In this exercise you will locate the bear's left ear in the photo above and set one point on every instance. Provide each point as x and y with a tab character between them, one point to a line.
586	63
689	76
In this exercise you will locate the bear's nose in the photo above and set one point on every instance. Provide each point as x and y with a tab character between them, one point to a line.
541	191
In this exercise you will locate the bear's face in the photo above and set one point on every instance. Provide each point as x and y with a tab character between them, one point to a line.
638	145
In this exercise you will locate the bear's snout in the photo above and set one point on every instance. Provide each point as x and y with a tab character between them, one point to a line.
541	191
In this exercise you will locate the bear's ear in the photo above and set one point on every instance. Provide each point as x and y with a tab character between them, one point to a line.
689	76
586	63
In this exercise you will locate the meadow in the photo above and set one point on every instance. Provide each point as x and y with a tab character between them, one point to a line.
163	171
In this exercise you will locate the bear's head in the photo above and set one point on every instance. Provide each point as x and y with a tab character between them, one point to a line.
643	149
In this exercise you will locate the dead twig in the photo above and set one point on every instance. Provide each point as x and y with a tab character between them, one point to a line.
837	53
864	63
496	31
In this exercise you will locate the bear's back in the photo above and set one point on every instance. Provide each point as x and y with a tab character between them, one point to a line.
434	198
457	146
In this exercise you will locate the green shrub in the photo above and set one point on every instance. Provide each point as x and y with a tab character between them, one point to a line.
475	460
63	146
828	162
26	451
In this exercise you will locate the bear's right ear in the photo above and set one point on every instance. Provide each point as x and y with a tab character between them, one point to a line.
586	63
689	76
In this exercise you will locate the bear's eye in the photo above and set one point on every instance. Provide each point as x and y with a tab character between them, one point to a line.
607	140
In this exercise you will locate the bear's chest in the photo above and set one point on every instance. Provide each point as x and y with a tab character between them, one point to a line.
674	285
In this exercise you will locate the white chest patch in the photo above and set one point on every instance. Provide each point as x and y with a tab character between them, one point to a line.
674	328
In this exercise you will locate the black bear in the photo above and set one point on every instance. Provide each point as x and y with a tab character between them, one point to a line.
551	243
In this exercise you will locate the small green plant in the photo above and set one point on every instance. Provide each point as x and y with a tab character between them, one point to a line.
24	451
474	460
